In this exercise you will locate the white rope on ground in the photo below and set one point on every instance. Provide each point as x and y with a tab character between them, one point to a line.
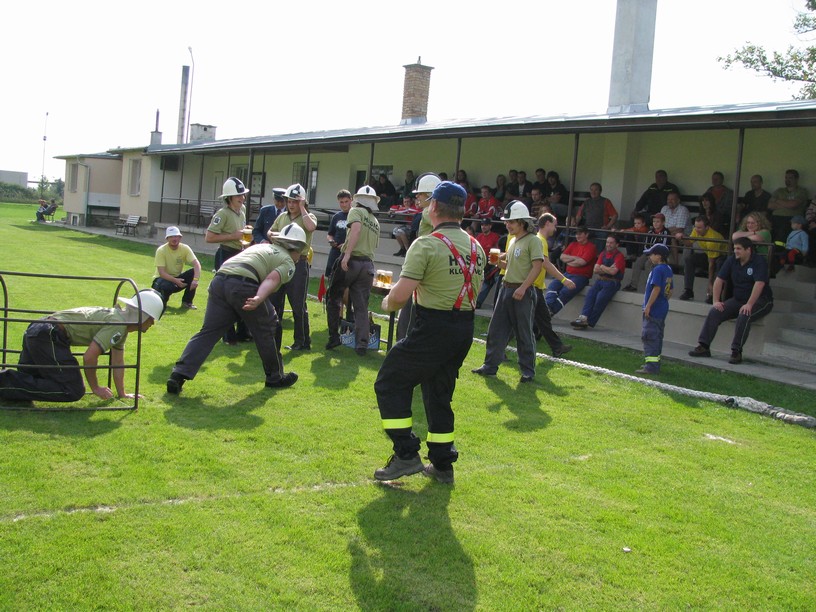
744	403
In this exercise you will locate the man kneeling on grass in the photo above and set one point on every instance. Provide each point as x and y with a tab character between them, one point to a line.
240	289
48	370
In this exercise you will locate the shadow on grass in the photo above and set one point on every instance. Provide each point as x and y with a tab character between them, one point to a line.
196	413
522	401
60	423
389	572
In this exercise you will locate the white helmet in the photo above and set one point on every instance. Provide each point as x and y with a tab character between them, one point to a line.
296	192
291	237
233	187
366	196
426	183
152	304
517	211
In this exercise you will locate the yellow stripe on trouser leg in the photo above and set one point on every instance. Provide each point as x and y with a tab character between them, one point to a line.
653	359
398	423
440	437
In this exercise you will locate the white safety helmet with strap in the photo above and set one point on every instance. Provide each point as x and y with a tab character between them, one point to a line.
517	211
233	187
291	237
366	196
152	304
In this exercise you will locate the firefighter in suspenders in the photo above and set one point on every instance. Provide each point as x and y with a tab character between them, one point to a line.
443	271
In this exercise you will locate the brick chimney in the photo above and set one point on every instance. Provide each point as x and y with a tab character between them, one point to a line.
415	93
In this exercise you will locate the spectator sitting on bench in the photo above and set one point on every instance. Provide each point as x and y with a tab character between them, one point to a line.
597	214
657	235
701	251
636	237
579	257
677	219
752	299
655	197
756	227
405	234
609	268
723	202
796	247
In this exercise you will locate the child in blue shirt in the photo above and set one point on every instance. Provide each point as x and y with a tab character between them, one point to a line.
655	308
796	247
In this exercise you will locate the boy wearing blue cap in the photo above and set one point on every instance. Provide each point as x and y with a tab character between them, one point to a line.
655	307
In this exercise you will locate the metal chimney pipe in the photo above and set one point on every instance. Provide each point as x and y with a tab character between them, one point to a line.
182	121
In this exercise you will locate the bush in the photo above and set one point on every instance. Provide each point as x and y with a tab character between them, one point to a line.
10	192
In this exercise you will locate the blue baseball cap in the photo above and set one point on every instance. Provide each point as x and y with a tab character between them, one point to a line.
657	249
446	190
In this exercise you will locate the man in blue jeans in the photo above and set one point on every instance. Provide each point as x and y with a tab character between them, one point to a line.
609	267
579	257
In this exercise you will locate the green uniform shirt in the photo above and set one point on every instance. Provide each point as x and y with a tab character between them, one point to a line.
284	219
425	225
173	261
264	259
430	261
521	254
227	221
369	232
109	328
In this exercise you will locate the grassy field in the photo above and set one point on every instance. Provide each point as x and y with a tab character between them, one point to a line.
578	492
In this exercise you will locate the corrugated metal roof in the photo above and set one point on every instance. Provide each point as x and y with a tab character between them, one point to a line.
697	117
728	116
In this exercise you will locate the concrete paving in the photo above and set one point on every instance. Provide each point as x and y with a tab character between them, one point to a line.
385	259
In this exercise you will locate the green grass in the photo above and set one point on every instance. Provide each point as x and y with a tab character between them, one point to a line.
235	497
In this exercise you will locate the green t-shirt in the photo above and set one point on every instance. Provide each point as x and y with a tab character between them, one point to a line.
105	326
173	261
369	232
284	219
264	259
430	261
800	193
227	221
520	257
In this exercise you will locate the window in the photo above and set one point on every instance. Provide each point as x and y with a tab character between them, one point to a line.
299	176
73	177
241	172
135	183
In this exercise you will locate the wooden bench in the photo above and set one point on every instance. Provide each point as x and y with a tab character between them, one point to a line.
128	225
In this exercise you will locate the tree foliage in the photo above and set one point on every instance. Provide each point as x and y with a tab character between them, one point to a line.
794	64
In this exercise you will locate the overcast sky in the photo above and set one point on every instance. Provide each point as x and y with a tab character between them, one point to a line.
101	69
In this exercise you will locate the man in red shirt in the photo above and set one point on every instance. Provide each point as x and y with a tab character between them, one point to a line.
609	268
579	257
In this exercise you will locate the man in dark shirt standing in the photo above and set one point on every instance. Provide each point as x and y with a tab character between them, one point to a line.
654	198
752	299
